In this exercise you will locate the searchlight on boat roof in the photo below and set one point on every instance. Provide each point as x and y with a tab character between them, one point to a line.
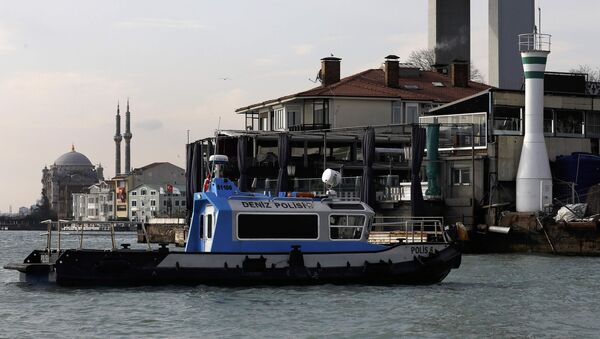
218	159
331	178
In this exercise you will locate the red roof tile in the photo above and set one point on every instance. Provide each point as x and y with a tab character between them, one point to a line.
371	84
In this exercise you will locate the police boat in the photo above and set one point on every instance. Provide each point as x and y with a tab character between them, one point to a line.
243	238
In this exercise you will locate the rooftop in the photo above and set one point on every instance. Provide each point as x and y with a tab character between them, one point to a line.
427	86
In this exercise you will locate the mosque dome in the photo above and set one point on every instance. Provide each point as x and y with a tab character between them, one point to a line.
73	158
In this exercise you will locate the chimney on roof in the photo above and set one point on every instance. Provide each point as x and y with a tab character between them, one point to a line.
330	70
392	71
459	73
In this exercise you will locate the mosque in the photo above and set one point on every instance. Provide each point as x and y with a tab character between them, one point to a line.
71	173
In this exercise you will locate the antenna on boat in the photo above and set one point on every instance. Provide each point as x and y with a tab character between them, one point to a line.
539	18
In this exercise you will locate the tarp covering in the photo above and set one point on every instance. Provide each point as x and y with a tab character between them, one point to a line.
189	153
417	153
284	151
433	167
367	192
197	164
242	157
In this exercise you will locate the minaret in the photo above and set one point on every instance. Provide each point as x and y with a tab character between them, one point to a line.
127	136
118	137
534	179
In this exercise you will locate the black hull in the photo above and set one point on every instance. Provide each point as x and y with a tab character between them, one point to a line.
131	268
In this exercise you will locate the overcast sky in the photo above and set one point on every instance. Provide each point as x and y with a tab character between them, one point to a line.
65	64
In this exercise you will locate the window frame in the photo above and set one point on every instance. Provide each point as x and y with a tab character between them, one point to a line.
362	232
460	170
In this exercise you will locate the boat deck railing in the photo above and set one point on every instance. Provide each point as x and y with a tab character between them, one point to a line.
57	227
398	229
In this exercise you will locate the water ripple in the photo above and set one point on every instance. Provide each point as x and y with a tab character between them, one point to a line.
496	296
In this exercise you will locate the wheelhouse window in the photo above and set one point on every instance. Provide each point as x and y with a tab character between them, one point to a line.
209	226
278	226
346	226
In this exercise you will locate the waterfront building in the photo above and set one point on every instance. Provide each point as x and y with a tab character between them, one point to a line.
72	172
485	184
155	177
95	205
393	94
148	201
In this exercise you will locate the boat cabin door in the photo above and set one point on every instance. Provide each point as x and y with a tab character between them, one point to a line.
209	227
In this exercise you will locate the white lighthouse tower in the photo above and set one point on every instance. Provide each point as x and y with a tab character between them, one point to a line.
534	180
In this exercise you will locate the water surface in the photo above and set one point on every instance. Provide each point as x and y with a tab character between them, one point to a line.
500	296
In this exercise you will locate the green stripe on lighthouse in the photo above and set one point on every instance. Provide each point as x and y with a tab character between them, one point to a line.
534	75
534	60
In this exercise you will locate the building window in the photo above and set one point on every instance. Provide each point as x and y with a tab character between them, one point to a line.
293	116
153	192
133	203
268	226
410	114
164	203
396	112
133	193
176	202
264	124
320	112
153	202
143	191
507	119
346	227
548	121
279	119
569	122
461	176
592	123
143	203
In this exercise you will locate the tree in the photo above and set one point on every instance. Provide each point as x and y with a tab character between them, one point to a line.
425	59
42	210
593	74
